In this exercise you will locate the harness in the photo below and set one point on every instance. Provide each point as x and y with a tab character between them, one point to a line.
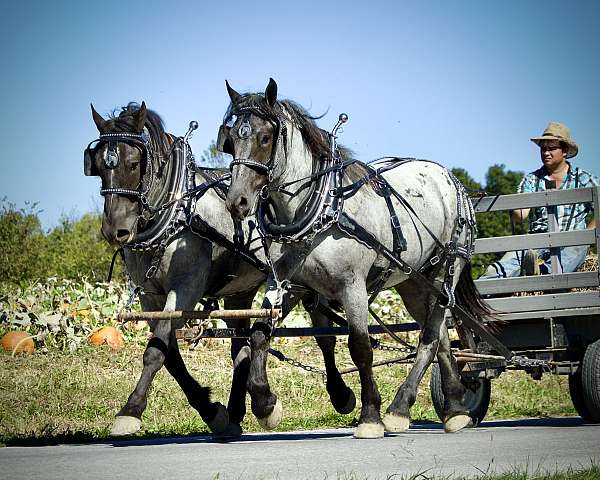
324	208
174	215
245	130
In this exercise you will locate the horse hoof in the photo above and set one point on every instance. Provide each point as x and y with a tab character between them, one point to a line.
456	423
350	404
369	430
274	419
231	432
396	423
220	422
125	425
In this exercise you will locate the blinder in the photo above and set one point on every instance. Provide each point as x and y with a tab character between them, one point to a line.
224	144
111	159
89	169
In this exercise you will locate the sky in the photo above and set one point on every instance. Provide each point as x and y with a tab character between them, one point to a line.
464	83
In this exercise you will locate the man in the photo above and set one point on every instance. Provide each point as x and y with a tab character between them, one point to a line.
556	146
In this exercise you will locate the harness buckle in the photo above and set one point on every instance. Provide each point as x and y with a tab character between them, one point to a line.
151	271
395	221
434	260
264	192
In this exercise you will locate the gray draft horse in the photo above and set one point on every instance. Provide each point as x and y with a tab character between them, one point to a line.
279	159
144	178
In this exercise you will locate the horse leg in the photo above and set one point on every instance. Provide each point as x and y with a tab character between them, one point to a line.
265	405
455	415
342	397
214	414
240	354
397	418
160	348
128	420
356	306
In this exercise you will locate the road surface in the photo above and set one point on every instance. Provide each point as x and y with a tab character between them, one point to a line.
496	446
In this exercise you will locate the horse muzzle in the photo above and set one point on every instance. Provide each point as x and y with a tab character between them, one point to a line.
239	206
117	235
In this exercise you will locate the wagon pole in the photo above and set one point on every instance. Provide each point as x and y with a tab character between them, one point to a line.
200	314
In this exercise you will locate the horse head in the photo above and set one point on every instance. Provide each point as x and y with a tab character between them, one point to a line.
254	133
120	157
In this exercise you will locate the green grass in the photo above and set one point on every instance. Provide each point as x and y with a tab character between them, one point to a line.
58	397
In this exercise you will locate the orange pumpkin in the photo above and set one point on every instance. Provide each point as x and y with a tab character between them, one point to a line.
108	336
18	342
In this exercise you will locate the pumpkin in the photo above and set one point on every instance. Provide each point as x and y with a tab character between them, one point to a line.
18	342
108	336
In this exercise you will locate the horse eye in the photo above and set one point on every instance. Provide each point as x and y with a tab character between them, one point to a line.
135	165
265	139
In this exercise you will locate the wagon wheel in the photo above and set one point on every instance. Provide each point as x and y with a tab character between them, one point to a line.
584	385
476	399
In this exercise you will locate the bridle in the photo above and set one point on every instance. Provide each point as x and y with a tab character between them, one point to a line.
244	132
112	160
321	209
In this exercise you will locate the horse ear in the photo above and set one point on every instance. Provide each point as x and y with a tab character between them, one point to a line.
271	92
233	95
98	120
140	117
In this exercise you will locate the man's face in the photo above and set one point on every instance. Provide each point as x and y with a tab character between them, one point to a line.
552	155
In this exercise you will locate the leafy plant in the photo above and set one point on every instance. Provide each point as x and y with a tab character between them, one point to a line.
62	313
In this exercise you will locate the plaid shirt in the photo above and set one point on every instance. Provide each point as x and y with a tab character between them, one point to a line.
570	217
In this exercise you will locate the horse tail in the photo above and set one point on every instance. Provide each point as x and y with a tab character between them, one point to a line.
468	297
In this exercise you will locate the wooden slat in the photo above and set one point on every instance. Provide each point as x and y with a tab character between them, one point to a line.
539	314
556	301
534	240
538	283
534	199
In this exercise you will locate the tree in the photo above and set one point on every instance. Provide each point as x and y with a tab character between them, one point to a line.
493	224
21	243
211	157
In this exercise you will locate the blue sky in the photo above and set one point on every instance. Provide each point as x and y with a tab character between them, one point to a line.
465	83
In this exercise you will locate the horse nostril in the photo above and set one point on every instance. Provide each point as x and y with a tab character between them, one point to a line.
123	235
243	202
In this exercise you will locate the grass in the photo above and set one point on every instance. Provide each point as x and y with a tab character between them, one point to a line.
583	473
61	397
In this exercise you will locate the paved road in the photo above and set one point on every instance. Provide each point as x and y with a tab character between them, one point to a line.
549	444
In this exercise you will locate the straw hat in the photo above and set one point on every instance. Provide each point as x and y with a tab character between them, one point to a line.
558	131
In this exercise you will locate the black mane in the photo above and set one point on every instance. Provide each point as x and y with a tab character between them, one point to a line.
122	120
315	138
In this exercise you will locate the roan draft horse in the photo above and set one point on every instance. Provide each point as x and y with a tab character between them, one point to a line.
349	230
180	245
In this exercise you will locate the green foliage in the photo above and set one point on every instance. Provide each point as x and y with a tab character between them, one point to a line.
211	157
21	242
61	313
76	248
71	250
493	224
